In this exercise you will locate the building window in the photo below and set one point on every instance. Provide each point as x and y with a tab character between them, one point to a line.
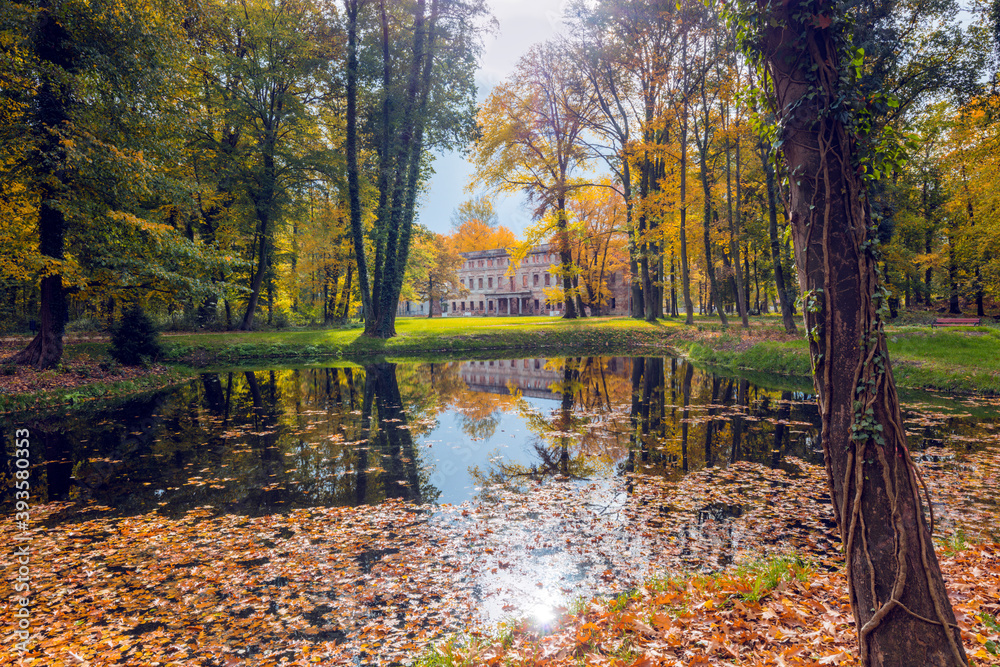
548	279
612	303
463	306
463	281
453	308
524	280
480	283
489	283
489	262
534	280
480	305
512	283
611	279
480	264
491	310
536	301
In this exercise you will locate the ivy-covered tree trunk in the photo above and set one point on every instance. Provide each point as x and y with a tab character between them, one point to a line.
565	259
53	49
901	609
402	147
351	150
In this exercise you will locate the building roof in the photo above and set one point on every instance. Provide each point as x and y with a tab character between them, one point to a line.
502	252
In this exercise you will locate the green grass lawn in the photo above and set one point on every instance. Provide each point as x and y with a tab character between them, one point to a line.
424	336
957	360
965	360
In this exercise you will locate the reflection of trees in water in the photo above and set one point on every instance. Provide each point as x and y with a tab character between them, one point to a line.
247	442
653	416
250	441
682	419
391	439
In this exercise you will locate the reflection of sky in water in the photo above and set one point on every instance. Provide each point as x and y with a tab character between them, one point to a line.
523	565
449	453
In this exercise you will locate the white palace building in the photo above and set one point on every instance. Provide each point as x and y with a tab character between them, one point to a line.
491	291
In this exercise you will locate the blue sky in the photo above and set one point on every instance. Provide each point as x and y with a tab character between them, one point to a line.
522	23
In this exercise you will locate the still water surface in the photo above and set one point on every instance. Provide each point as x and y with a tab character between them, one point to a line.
262	441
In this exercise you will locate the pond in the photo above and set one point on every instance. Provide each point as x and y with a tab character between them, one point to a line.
403	500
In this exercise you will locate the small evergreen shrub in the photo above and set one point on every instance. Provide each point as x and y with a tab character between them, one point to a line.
134	339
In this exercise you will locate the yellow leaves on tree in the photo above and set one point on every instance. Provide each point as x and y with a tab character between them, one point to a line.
473	235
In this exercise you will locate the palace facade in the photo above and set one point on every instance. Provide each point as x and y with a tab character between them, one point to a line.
491	291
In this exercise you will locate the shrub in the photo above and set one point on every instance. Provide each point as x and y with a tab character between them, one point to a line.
134	340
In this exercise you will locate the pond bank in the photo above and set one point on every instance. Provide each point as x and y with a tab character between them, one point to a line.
85	374
955	361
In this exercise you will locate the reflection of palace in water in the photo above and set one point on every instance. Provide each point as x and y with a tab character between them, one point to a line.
533	377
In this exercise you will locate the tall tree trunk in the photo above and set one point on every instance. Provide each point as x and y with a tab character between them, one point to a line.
52	105
637	308
345	296
685	265
385	171
707	224
954	307
644	245
396	215
897	593
264	209
430	297
351	149
971	212
928	241
565	258
734	227
673	285
787	316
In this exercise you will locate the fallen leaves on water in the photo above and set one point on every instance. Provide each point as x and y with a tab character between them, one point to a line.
378	585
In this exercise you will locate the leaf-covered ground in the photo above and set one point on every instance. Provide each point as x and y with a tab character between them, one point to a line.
80	376
379	585
804	620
